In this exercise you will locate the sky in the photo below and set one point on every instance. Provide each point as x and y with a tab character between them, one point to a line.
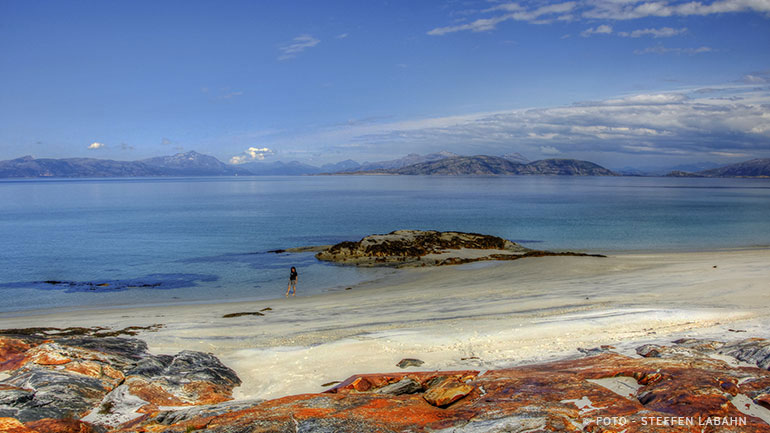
624	83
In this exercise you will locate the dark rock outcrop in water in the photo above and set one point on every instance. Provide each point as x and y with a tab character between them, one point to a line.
68	385
409	248
415	247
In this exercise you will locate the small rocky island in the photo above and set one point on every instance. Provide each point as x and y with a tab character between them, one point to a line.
413	248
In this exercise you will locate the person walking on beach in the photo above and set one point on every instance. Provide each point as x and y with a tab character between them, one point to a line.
292	282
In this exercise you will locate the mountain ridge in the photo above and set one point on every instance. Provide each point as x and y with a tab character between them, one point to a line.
753	168
485	165
181	164
192	163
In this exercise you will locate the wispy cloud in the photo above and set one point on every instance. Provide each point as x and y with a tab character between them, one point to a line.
731	154
223	93
612	10
664	123
549	150
510	12
757	77
660	49
230	95
634	9
296	46
96	145
663	32
341	36
603	29
606	29
251	154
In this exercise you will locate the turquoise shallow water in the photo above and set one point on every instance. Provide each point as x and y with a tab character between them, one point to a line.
174	240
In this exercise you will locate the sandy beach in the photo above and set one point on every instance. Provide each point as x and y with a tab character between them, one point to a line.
482	316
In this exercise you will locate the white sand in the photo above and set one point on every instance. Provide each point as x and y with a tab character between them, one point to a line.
494	314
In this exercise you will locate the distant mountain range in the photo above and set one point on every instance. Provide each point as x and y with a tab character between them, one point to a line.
181	164
759	168
294	168
495	165
662	171
442	163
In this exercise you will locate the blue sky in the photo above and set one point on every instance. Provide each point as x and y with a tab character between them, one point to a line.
618	82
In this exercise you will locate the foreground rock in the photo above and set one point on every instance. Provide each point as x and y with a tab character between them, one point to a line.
681	388
410	248
101	381
690	386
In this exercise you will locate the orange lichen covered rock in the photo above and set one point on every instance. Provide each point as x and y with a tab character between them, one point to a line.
696	393
447	392
48	354
680	389
12	425
86	368
204	392
153	393
12	353
366	382
60	426
103	379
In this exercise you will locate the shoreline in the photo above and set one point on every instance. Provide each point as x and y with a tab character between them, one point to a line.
481	315
610	253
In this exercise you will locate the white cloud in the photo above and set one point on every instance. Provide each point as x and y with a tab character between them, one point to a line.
251	154
660	49
634	9
756	78
549	150
603	29
663	32
342	36
731	154
614	10
480	25
662	123
647	99
297	45
96	145
513	12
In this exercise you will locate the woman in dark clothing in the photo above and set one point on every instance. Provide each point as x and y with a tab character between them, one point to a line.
292	282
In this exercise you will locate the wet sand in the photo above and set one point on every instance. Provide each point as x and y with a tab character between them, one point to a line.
481	315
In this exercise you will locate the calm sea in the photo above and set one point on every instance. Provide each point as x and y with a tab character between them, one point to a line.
113	242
